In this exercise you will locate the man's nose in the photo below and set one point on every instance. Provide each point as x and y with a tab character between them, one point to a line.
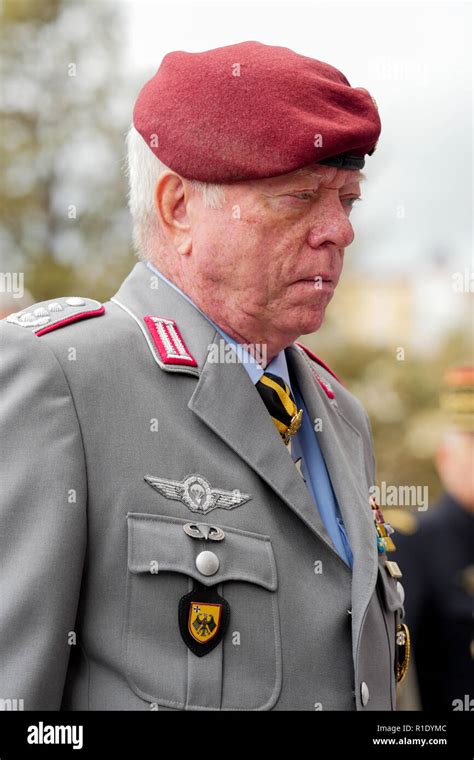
331	226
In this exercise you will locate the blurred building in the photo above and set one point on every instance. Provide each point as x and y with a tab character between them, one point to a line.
390	312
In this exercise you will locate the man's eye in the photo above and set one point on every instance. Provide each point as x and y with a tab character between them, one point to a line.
304	196
349	202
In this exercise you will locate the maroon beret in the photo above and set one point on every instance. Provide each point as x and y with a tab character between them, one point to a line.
250	110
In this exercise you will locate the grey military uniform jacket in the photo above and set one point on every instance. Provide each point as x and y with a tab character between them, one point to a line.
95	559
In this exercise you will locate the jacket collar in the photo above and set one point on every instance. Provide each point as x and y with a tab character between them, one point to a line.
144	294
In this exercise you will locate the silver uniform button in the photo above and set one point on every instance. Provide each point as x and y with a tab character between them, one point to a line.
364	693
401	592
207	563
74	301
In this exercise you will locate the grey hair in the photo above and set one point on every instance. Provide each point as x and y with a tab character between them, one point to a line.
143	171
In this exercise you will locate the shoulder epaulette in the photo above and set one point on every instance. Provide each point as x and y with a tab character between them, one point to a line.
43	317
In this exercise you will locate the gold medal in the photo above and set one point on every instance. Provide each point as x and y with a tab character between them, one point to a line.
403	651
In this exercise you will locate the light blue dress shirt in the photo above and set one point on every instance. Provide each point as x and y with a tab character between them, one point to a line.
304	444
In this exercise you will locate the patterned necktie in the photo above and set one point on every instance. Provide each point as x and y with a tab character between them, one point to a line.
281	404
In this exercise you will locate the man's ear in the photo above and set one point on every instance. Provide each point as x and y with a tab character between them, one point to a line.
171	198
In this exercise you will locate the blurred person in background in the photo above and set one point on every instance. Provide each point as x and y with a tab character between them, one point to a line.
436	552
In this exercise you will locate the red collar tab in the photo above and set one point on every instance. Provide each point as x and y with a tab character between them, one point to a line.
169	341
327	388
319	361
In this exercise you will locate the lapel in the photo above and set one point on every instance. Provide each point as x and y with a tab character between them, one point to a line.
342	449
226	400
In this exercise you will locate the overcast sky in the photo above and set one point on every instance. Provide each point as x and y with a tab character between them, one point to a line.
416	60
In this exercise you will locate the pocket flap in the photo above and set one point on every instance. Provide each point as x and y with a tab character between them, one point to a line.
158	543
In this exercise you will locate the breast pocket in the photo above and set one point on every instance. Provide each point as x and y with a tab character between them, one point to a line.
243	672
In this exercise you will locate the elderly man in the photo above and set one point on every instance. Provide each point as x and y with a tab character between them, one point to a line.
185	497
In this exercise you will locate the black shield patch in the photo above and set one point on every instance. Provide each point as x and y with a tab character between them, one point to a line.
203	617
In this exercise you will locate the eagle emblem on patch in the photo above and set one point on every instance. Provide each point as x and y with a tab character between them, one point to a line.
197	494
204	621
